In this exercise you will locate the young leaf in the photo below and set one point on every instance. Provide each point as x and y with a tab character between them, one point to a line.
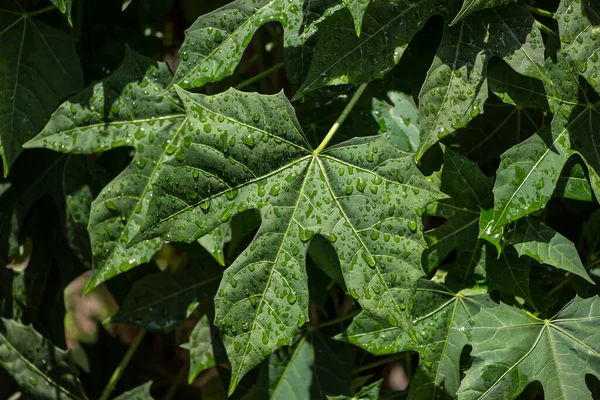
512	349
30	93
248	152
125	109
42	370
440	318
456	86
202	355
535	239
312	367
141	392
162	300
471	6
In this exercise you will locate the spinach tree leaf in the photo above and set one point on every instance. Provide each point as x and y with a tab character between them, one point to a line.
574	184
311	368
162	300
535	239
248	151
357	9
42	370
456	87
509	274
471	6
512	348
202	355
578	25
440	318
215	43
141	392
128	108
29	94
64	7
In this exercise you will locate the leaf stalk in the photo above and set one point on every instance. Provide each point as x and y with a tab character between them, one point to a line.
259	76
540	12
41	11
341	118
116	376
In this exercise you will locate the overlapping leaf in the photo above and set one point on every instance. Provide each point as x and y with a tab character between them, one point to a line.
141	392
247	151
28	93
440	318
42	370
312	367
471	6
512	349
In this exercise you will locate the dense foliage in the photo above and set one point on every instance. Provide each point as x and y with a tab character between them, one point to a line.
308	199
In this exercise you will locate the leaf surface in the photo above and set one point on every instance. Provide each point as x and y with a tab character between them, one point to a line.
360	195
440	319
141	392
29	94
42	370
471	6
512	349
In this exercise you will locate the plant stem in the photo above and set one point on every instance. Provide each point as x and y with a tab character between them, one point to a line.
176	382
539	11
341	118
114	379
378	363
334	321
259	76
545	29
41	11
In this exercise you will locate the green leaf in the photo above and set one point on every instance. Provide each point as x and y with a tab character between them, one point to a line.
468	188
141	392
535	239
126	4
369	392
65	7
512	349
440	317
509	274
125	109
471	6
578	25
215	43
309	369
456	85
574	184
400	120
162	300
357	9
248	151
202	356
30	93
42	370
387	28
215	240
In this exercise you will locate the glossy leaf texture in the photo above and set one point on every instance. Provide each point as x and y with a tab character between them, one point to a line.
29	94
312	367
200	346
440	318
357	9
471	6
42	370
65	7
512	349
163	300
362	196
456	87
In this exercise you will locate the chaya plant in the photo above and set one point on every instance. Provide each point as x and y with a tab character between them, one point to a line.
273	233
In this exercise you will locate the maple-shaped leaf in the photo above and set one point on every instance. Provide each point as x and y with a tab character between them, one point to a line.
29	94
126	109
312	367
440	318
456	87
471	6
216	41
512	348
248	152
41	370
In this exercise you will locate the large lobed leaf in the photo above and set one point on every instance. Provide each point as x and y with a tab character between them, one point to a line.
42	370
29	93
248	151
512	349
